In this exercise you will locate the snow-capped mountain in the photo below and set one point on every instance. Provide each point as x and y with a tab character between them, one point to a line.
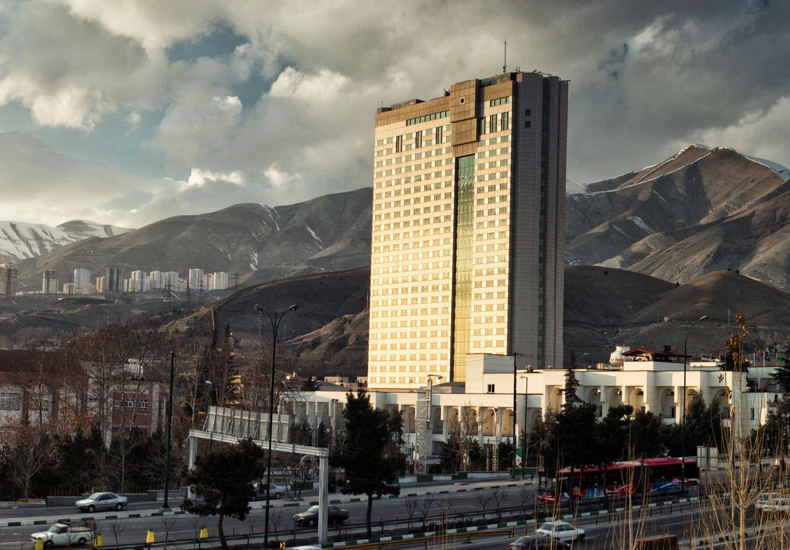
255	241
21	240
701	210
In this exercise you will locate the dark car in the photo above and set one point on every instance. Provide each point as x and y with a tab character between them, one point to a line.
310	516
534	543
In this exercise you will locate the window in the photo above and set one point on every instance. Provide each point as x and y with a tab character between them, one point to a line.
491	388
9	401
527	112
399	144
527	124
128	405
143	404
417	140
505	121
481	126
492	124
439	135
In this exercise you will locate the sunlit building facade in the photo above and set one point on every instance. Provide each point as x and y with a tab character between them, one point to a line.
468	229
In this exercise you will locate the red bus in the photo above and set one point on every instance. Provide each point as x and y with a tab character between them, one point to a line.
622	478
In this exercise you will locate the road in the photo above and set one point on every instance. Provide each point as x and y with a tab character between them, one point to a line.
603	531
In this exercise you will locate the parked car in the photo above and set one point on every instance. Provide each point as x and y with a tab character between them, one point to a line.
275	491
310	516
561	530
535	543
65	534
101	501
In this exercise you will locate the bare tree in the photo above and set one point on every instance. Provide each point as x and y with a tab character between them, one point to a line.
500	495
484	498
168	522
525	495
26	450
117	527
424	505
410	505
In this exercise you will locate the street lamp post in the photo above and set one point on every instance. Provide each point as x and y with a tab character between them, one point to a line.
525	446
165	505
515	441
685	328
275	319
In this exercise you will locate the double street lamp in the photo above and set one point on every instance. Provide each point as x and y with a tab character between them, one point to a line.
685	328
274	319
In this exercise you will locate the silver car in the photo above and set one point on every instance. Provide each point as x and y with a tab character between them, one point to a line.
101	501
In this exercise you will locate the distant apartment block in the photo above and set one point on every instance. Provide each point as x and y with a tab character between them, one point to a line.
196	279
82	281
101	285
68	288
208	281
137	281
8	275
49	283
220	280
113	280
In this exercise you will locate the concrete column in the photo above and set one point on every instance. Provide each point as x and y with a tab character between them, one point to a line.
323	499
652	397
192	458
678	404
604	402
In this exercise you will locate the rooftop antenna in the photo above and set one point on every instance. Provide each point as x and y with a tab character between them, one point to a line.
504	67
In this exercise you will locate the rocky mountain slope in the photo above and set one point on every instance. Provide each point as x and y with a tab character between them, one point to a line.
699	211
19	240
258	242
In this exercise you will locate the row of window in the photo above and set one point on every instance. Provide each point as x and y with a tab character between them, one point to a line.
495	123
493	152
426	118
411	267
500	101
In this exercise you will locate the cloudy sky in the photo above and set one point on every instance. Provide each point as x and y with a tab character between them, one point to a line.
126	112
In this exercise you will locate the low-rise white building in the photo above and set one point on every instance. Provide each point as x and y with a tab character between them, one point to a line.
649	380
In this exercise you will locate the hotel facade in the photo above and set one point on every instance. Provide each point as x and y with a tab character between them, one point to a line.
468	230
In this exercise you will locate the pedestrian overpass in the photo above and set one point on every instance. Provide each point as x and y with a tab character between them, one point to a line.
230	425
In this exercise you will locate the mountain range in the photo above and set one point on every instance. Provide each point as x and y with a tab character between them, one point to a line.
256	242
20	240
700	233
701	210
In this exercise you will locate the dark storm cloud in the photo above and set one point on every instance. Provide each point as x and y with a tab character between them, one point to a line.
274	102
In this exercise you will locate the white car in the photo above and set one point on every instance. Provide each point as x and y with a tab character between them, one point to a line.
101	501
561	530
275	491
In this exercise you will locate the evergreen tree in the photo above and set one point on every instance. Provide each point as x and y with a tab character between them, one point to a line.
571	389
782	373
224	477
370	451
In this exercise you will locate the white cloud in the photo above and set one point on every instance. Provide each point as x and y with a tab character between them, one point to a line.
285	111
199	177
317	88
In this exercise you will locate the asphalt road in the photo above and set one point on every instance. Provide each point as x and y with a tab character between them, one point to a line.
603	532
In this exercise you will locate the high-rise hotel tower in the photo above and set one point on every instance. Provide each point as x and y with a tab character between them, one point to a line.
468	229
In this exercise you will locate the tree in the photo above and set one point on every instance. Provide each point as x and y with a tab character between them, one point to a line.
646	434
782	373
224	477
571	389
370	453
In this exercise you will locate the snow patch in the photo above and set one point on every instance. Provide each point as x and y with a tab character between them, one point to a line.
642	225
782	171
642	181
315	237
